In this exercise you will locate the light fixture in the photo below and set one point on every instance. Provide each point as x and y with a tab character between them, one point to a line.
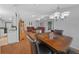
59	15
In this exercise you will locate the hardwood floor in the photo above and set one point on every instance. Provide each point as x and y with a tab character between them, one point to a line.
16	48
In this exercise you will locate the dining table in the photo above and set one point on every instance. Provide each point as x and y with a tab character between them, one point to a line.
61	43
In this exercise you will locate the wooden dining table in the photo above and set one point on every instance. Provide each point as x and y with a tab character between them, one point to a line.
60	44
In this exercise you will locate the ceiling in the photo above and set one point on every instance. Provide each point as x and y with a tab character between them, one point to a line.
30	9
